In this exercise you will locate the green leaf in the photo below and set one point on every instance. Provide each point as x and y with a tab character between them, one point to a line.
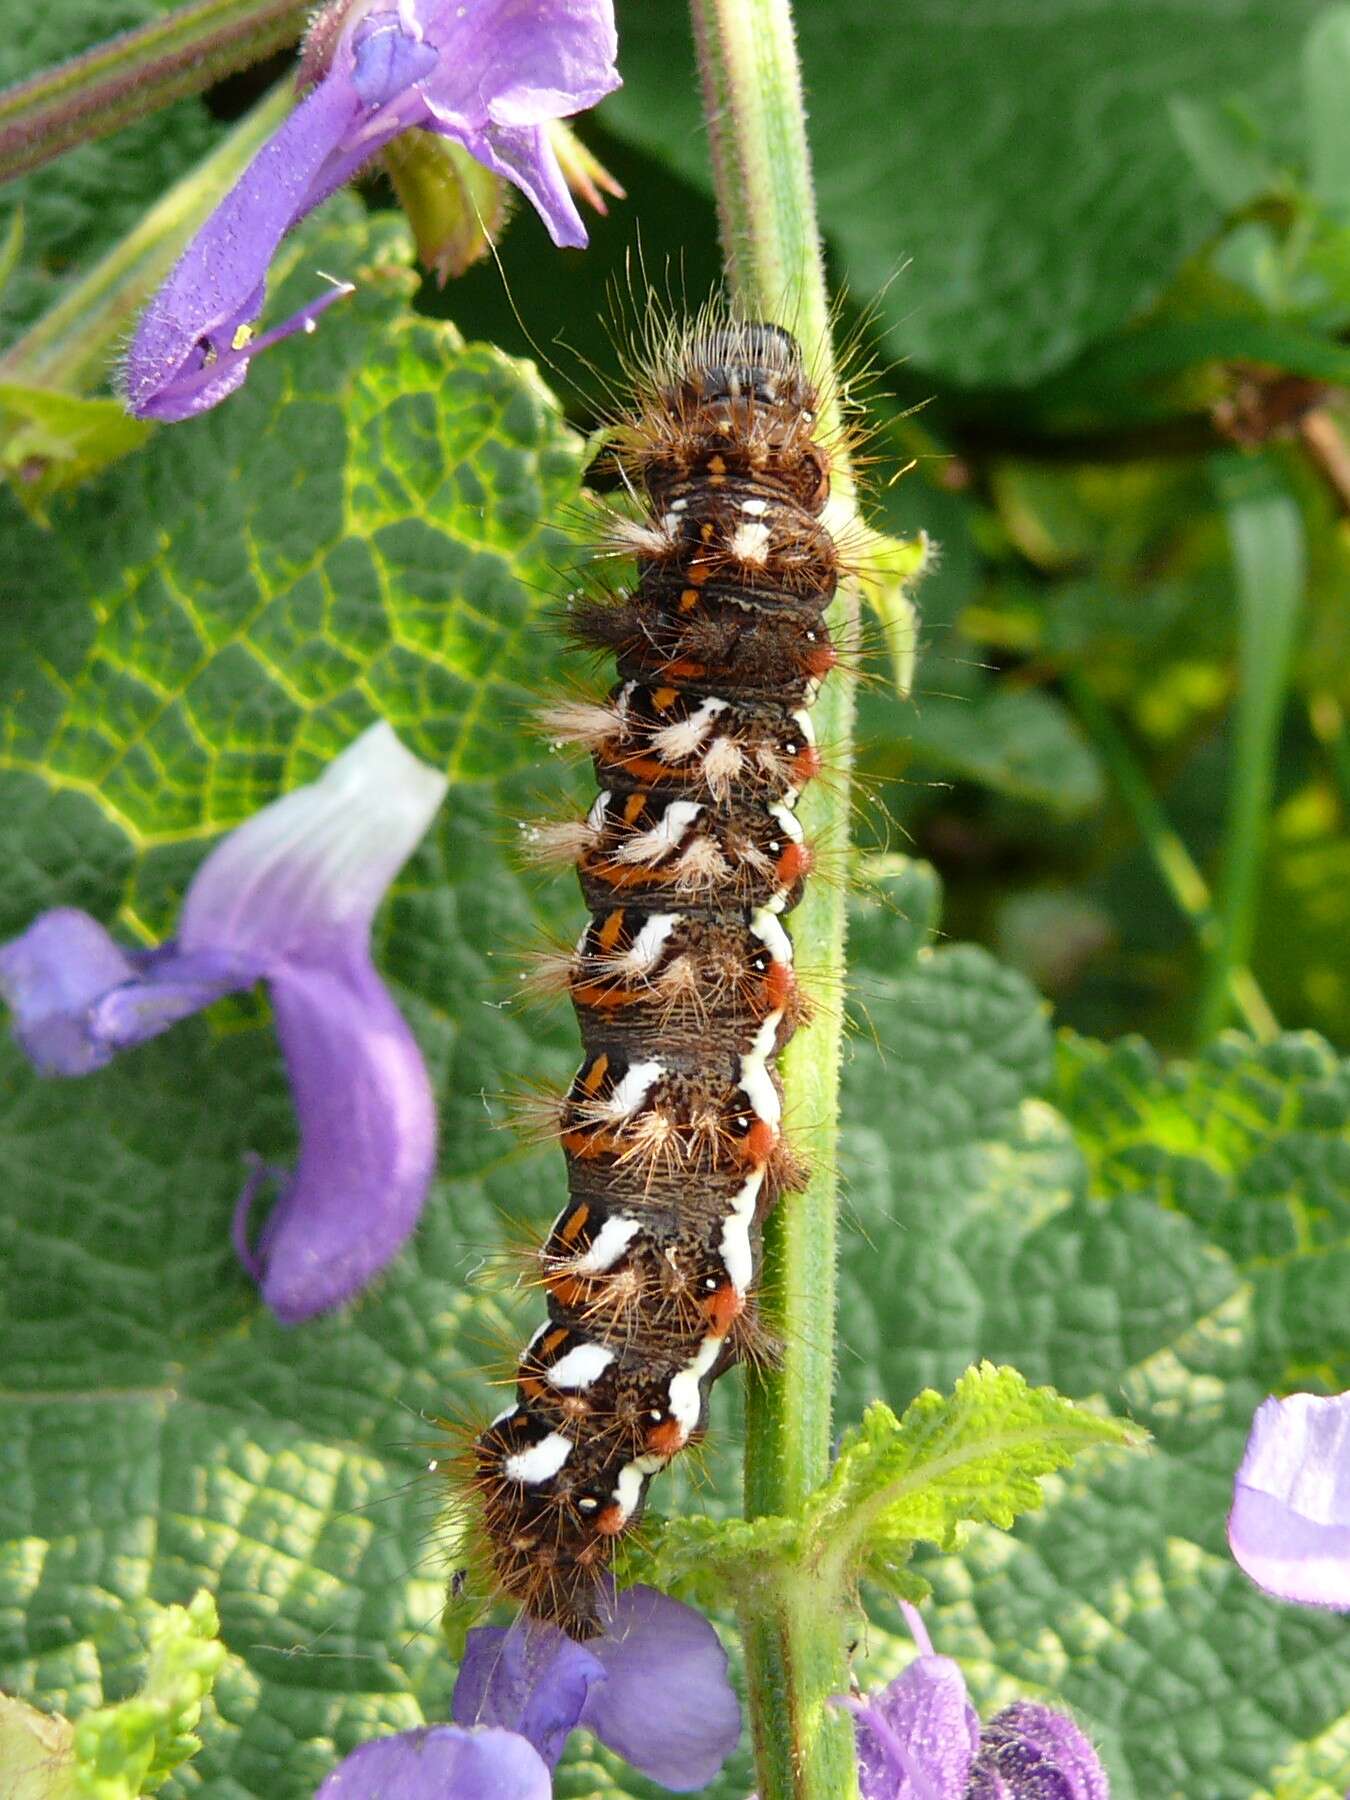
1326	82
892	567
1018	164
974	1458
1226	151
49	441
1020	743
1189	1259
709	1559
129	1749
36	1754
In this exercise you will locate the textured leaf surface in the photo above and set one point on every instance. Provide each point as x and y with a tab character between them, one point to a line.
1182	1264
974	1456
1015	160
129	1748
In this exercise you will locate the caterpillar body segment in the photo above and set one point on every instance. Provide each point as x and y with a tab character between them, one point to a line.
682	979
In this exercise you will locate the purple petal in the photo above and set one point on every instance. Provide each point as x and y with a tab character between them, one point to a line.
294	889
529	1678
367	1119
299	882
917	1736
169	986
510	64
525	155
50	977
386	59
667	1706
1032	1752
1290	1523
441	1762
190	348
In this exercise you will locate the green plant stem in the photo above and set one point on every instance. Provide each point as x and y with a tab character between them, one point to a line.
1265	532
1173	861
69	347
752	101
136	73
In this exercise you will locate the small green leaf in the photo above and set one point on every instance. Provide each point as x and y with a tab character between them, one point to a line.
892	566
1225	148
704	1557
129	1749
974	1458
36	1758
50	440
1326	88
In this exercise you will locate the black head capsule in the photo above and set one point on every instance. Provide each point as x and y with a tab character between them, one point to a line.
749	359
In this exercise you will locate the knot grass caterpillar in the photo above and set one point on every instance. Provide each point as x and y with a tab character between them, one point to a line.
682	980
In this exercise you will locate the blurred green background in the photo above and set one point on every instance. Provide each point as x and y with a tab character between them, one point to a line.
1100	257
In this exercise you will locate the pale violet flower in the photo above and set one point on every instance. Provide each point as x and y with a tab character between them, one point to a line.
1290	1524
490	75
287	898
653	1687
919	1738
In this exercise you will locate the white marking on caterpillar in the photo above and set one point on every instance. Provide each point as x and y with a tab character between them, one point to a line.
750	544
685	1399
540	1462
791	824
649	942
722	763
770	933
630	1091
581	1368
639	536
507	1412
755	1077
675	742
802	720
755	508
663	837
612	1239
595	818
737	1256
628	1491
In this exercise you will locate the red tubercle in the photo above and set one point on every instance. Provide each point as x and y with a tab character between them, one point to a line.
795	862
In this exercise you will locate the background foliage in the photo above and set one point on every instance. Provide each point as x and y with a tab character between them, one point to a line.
1094	241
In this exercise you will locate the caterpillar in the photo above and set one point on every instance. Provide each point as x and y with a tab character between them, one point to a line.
682	981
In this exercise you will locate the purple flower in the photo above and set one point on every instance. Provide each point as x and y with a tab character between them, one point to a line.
287	898
919	1738
1031	1752
654	1688
1290	1523
441	1762
490	75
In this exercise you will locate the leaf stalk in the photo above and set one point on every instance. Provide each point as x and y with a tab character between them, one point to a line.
137	73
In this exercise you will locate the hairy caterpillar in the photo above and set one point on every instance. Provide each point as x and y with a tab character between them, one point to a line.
682	981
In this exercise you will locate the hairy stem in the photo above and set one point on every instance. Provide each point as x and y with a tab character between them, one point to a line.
136	73
752	101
